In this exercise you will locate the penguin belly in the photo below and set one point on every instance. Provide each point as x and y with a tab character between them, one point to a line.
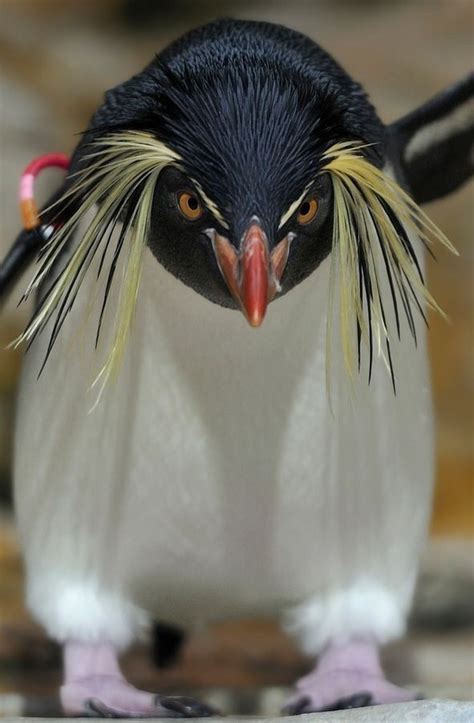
216	478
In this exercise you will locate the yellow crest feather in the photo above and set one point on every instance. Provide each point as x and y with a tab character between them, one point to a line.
122	164
373	220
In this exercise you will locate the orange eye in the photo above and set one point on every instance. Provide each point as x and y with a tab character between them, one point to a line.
189	205
307	211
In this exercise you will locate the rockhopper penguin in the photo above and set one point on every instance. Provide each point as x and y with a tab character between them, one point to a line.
213	470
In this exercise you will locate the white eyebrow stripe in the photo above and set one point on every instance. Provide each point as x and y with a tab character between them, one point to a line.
289	213
213	208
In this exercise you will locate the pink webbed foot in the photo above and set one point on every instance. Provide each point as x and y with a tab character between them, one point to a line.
348	675
110	697
94	686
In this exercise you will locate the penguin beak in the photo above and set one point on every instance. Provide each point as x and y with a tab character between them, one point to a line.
253	274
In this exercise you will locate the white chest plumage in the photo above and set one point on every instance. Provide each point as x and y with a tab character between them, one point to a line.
213	480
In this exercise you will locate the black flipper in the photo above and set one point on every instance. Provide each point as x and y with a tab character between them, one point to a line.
434	144
19	257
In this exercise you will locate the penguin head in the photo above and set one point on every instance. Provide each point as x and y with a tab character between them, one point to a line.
244	212
241	156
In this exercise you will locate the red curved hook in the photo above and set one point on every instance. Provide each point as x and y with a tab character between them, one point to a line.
28	207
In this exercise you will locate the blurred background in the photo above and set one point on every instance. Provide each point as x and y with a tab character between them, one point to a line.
57	57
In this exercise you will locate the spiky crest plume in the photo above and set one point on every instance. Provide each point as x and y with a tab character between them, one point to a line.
119	180
374	219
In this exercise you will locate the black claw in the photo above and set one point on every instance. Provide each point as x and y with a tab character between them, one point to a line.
358	700
187	707
95	709
297	707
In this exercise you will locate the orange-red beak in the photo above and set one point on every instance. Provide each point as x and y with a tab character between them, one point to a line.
254	282
253	275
